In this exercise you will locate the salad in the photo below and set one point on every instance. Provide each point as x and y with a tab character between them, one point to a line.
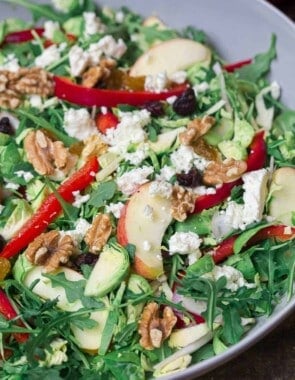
147	203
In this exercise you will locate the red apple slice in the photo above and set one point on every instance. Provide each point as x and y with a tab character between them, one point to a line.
170	56
145	230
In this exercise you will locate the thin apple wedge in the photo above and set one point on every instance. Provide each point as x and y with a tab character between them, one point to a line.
170	56
282	202
145	231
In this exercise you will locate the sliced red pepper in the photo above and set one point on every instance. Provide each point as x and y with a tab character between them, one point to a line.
231	67
22	36
105	121
226	248
50	209
255	161
65	89
8	312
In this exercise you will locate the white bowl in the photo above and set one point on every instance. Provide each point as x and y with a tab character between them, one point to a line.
238	29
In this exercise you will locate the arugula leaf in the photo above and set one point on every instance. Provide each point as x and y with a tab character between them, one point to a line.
104	192
232	329
236	194
260	66
195	34
84	322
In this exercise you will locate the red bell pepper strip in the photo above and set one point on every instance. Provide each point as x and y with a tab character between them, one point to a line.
256	160
231	67
8	312
50	209
65	89
105	121
226	247
22	36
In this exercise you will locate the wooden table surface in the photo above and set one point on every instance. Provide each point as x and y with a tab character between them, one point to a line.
274	357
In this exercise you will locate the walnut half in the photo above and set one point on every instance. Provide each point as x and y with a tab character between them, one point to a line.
182	204
196	129
224	172
99	233
50	249
154	329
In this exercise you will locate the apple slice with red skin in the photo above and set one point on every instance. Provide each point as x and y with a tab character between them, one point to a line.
134	227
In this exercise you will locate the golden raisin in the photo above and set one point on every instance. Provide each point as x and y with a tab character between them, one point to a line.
205	150
4	268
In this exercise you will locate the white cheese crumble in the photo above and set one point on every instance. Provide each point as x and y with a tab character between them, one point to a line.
119	17
103	110
129	182
93	24
115	208
156	83
27	176
166	173
79	199
78	123
48	56
79	60
107	46
138	156
148	212
231	218
184	158
160	188
178	77
234	278
185	243
36	101
11	186
255	186
78	234
50	27
203	190
128	131
171	99
10	63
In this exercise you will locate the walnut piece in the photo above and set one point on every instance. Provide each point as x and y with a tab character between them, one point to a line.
46	155
224	172
93	146
99	73
25	81
99	233
196	129
153	329
50	249
182	204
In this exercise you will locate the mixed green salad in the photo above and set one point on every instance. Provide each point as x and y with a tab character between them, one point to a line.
147	195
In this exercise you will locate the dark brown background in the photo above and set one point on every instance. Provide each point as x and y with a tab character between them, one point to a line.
274	357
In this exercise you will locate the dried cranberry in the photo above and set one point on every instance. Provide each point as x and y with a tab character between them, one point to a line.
155	108
5	126
186	103
191	179
85	259
2	242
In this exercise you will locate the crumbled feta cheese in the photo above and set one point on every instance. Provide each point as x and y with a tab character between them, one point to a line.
156	83
10	63
36	101
148	212
48	56
78	123
224	222
50	27
79	60
255	186
166	173
115	208
146	245
27	176
56	354
178	77
171	99
185	243
78	234
103	110
200	87
107	46
119	17
11	186
234	278
128	131
203	190
138	156
93	24
160	188
184	158
129	182
79	199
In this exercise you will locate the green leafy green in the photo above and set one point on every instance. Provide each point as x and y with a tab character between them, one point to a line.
104	192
